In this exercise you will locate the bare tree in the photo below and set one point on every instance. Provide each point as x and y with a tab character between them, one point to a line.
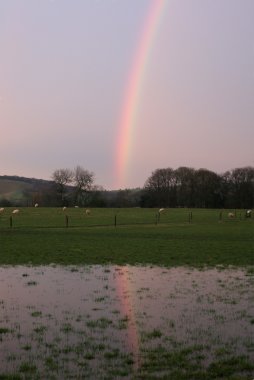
62	177
83	182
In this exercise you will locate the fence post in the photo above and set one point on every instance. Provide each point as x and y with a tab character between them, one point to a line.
115	220
220	216
66	221
10	221
190	216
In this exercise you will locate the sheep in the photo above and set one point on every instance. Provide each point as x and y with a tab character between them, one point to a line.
16	211
1	209
248	213
161	210
36	205
231	215
76	206
88	212
64	208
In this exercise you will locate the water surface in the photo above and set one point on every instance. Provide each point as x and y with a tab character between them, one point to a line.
104	321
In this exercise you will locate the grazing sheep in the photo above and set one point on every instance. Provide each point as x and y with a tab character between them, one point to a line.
36	205
76	206
248	213
1	209
64	208
231	215
15	211
88	212
161	209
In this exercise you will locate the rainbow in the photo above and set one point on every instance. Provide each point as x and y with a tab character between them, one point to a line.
133	89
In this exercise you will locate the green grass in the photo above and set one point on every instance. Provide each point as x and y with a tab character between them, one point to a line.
101	323
153	334
184	365
39	236
10	377
4	330
27	368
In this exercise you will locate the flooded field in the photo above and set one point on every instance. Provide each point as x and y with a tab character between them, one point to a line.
110	322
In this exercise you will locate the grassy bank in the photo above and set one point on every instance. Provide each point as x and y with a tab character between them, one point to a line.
40	236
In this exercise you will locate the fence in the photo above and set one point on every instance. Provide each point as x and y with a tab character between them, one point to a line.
72	217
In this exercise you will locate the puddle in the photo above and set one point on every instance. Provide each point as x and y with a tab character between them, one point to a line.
104	321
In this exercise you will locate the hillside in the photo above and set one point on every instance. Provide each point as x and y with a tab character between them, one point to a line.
17	189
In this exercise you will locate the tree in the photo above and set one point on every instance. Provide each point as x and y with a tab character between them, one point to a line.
83	182
240	187
207	189
185	186
62	177
96	198
160	188
127	198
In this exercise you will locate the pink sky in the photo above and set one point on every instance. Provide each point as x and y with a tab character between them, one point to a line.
63	75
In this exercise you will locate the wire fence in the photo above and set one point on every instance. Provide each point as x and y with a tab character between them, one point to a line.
70	217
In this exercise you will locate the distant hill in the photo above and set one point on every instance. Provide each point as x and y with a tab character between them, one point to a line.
22	191
17	189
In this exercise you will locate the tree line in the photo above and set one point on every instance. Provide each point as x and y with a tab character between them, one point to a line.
187	187
166	187
182	187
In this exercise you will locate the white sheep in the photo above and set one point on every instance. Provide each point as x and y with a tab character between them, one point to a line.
36	205
1	209
16	211
161	210
64	208
88	212
231	215
248	213
76	206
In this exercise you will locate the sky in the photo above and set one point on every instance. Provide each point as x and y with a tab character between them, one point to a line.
66	71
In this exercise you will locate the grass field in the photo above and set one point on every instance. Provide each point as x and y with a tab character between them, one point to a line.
196	237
